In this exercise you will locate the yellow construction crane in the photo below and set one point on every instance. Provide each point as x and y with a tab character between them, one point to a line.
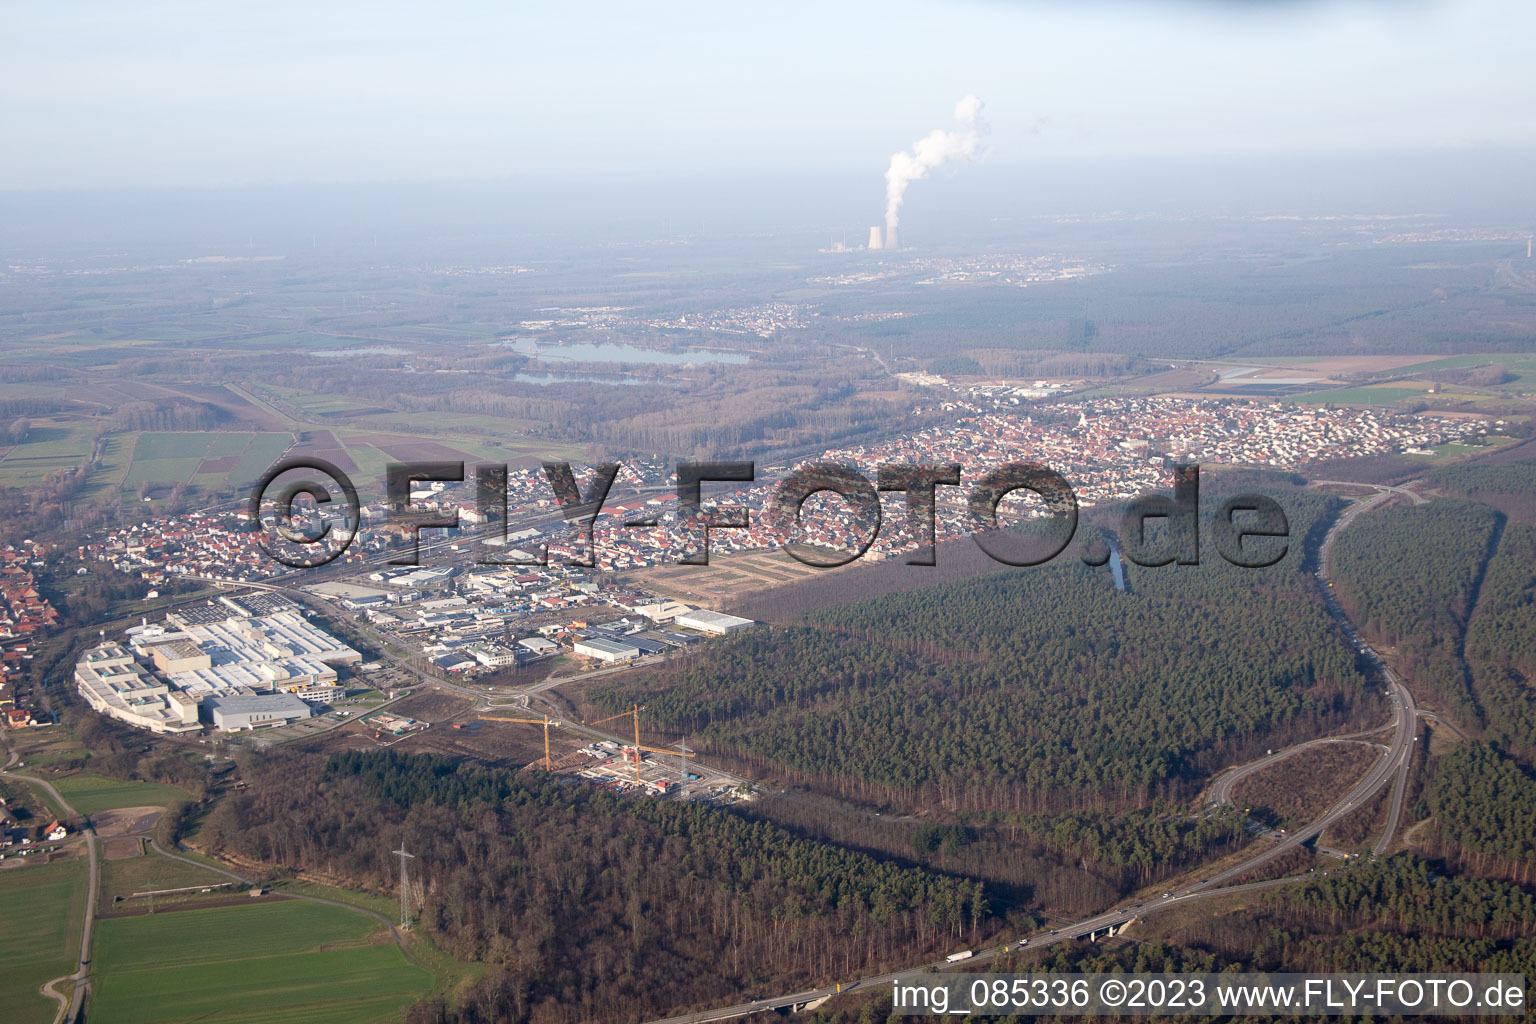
546	721
632	711
635	711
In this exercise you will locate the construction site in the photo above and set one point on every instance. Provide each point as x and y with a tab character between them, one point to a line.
605	752
630	767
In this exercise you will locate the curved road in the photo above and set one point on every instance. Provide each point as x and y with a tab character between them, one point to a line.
1400	756
69	1010
1391	767
70	1007
1220	790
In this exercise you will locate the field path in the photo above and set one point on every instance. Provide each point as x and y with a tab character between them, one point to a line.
386	922
69	1010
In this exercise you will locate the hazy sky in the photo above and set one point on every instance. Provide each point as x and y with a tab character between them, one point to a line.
113	94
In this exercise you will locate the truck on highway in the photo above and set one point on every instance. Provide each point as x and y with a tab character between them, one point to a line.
964	954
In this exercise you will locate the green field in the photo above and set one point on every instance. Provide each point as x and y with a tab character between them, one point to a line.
91	793
1521	366
40	907
51	445
318	404
449	973
1367	395
161	457
112	467
276	962
1453	450
301	340
151	873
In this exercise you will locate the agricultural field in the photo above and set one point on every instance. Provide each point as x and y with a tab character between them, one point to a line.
274	961
205	459
90	794
1522	366
51	444
152	871
302	340
1339	366
421	951
42	908
1369	394
111	470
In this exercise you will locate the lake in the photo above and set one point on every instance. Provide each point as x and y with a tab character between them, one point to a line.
613	352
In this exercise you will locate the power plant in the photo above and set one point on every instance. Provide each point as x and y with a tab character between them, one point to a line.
935	149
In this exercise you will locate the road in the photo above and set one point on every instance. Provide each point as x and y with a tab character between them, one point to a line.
1391	767
712	773
70	1006
1065	934
69	1009
1399	757
1220	790
1384	490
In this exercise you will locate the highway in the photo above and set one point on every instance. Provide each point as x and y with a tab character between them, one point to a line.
1399	757
1220	790
1390	768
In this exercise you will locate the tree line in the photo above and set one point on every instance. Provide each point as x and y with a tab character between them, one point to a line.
1408	577
1035	691
590	905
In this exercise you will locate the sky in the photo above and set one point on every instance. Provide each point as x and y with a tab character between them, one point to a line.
111	95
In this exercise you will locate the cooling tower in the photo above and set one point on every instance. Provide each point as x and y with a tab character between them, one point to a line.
890	236
874	237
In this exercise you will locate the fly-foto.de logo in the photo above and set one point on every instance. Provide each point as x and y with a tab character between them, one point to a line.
1248	530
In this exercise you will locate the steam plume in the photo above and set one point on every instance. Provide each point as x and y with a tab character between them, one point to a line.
937	147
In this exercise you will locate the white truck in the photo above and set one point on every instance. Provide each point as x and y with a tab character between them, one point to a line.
964	954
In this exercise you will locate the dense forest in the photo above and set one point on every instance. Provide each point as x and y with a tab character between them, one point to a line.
1501	644
1074	863
1505	480
1481	479
1034	690
592	906
1409	577
1394	915
1484	808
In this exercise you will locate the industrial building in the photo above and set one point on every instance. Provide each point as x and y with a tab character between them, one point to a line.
494	655
224	651
238	712
715	623
113	684
209	662
661	611
606	649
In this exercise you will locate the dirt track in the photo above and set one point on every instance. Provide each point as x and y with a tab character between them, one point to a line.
125	821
